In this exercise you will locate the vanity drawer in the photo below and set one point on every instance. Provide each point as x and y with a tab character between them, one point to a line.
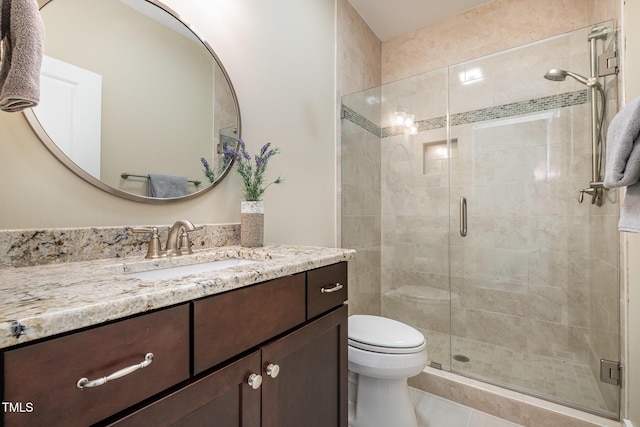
228	324
45	375
326	288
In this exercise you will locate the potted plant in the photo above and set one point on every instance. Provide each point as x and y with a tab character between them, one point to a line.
252	169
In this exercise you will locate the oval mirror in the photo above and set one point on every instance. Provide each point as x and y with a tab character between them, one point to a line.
133	100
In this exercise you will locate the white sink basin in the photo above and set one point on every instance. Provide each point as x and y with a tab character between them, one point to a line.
185	270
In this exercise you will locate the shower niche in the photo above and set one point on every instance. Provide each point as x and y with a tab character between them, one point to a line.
528	299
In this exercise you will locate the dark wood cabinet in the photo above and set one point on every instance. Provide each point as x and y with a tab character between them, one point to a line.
46	374
222	398
326	288
228	324
272	355
310	389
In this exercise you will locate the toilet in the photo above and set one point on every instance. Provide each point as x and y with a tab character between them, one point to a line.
383	353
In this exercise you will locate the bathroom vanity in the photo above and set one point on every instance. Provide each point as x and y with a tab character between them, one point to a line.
256	344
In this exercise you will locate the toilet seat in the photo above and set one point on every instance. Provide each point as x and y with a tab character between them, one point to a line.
383	335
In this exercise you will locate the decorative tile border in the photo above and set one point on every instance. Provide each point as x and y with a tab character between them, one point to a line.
529	106
523	107
359	120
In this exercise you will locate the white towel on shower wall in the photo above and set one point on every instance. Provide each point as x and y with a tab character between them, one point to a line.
623	163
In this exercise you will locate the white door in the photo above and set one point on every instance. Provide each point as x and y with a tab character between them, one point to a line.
70	111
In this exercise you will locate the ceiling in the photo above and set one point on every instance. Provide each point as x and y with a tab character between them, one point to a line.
391	18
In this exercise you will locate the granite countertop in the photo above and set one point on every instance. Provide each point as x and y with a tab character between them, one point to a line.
42	301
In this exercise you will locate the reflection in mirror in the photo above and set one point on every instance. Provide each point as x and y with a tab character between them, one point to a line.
127	92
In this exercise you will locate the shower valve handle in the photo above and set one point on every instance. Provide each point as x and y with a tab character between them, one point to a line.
588	191
595	193
581	196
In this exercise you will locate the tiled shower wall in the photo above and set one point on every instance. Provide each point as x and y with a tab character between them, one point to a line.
359	66
495	26
364	62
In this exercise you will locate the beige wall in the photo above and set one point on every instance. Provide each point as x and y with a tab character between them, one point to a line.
283	70
631	247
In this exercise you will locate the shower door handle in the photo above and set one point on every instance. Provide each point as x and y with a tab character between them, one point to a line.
463	216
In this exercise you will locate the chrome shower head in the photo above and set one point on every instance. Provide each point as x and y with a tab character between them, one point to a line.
557	75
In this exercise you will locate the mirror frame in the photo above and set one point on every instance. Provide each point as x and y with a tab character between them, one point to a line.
70	164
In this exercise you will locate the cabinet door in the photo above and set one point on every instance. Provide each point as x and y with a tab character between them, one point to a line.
221	399
310	388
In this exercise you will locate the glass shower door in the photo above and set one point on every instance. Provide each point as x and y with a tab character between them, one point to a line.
415	209
528	298
534	280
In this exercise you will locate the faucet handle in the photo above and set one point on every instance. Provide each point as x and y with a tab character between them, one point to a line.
185	245
154	243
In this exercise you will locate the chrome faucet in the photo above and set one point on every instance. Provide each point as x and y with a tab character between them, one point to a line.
177	241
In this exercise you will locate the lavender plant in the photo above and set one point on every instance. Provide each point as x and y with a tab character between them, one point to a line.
252	170
207	170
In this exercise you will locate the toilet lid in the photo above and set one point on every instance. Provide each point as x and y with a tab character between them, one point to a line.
375	333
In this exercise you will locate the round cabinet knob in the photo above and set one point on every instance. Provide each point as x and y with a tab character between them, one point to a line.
255	381
273	370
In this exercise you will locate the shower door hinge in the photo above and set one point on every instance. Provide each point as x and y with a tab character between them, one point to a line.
610	372
435	365
608	64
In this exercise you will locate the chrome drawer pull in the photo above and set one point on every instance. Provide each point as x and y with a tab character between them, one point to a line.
336	288
84	382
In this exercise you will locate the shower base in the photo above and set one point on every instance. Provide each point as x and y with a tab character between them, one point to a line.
556	379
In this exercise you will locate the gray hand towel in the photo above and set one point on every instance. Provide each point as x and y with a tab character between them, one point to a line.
167	186
623	163
630	211
623	147
21	47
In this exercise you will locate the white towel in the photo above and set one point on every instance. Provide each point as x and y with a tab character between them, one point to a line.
623	163
21	47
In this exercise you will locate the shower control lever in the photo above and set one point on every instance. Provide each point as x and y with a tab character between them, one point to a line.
595	193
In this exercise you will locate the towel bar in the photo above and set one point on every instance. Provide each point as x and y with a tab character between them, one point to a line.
126	175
